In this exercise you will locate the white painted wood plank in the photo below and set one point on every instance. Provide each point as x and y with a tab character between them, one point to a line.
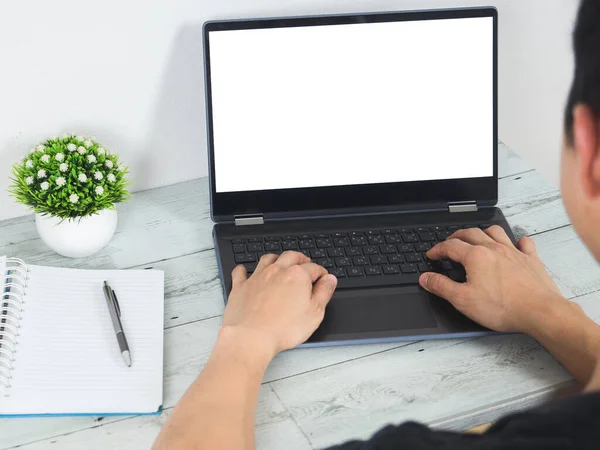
457	384
181	211
567	259
187	348
180	226
590	304
155	225
443	381
192	288
530	204
274	429
15	432
19	238
509	163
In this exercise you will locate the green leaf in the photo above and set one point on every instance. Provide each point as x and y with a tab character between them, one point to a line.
55	201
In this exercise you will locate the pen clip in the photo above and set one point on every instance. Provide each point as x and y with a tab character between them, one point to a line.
114	296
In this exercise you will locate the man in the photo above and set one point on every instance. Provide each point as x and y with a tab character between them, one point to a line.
284	301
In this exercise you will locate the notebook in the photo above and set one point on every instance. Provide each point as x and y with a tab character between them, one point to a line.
58	350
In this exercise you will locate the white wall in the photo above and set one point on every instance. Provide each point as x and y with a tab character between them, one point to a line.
130	73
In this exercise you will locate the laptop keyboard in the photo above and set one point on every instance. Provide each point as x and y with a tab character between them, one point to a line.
362	258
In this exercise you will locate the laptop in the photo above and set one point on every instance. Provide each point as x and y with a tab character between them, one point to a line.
360	140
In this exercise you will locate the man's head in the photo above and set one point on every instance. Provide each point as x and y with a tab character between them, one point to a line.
580	177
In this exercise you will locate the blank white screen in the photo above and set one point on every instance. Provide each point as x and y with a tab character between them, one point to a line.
352	104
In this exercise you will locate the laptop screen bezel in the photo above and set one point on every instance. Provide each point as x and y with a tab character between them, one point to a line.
364	198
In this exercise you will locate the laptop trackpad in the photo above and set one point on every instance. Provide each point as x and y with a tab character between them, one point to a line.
373	310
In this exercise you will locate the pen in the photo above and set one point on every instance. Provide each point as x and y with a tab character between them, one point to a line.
115	316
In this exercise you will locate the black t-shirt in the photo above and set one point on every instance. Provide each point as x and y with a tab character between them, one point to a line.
572	423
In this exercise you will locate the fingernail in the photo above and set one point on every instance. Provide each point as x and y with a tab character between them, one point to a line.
333	280
424	279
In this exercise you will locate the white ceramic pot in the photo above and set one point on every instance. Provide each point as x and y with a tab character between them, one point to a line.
80	237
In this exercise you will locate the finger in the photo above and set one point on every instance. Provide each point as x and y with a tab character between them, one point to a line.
473	236
288	259
455	249
239	275
315	271
498	234
324	289
265	262
527	246
442	286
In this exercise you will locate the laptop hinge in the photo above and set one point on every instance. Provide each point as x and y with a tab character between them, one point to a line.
459	207
249	220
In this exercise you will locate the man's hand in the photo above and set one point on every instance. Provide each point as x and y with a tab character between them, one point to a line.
275	309
282	303
505	284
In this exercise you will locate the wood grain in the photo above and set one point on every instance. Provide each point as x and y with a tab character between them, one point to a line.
530	204
509	163
428	382
565	256
327	394
187	348
157	225
274	429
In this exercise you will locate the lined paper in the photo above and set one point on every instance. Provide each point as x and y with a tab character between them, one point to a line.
68	360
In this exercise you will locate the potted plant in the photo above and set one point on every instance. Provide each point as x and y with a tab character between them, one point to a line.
72	184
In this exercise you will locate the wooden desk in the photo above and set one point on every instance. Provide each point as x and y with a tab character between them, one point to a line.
312	398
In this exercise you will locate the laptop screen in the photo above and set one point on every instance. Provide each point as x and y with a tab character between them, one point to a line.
352	104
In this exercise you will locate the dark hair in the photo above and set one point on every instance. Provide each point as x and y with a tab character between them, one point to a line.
586	46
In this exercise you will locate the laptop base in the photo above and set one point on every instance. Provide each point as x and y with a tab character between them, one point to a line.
363	314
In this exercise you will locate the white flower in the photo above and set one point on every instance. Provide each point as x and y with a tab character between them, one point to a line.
29	164
99	190
32	151
60	181
71	147
121	166
59	157
98	175
63	167
66	136
46	158
109	164
87	143
81	150
82	177
91	158
80	138
45	185
73	198
41	173
101	151
40	148
29	181
110	177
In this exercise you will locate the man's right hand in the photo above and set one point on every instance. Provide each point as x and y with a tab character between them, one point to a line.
505	284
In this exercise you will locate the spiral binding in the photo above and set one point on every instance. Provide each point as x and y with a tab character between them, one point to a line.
12	305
